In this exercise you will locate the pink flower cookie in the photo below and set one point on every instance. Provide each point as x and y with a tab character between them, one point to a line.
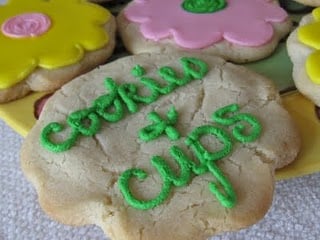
237	30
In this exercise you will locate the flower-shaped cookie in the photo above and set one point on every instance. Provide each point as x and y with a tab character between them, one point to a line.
309	34
148	139
245	22
47	34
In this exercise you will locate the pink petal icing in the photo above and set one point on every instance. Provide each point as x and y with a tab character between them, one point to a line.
26	25
243	22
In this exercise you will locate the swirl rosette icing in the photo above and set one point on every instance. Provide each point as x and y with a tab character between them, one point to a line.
26	25
309	34
47	34
242	22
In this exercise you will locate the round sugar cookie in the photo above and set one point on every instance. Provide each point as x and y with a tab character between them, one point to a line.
43	44
148	139
304	49
237	30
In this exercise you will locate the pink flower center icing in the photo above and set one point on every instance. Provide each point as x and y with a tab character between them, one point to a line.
26	25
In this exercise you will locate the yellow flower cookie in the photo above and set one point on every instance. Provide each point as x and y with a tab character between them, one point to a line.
44	44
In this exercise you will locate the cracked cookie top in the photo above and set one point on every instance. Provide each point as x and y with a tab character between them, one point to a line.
147	139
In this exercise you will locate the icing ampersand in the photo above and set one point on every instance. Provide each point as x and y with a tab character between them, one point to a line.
160	126
26	25
309	34
245	22
41	37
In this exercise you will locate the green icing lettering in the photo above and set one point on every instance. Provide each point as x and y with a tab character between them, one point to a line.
55	127
221	117
203	6
168	177
204	156
221	188
224	191
194	68
85	121
123	182
160	126
127	92
110	107
193	141
138	71
156	87
168	74
129	95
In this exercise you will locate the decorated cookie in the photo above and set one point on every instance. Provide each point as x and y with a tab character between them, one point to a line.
149	139
237	30
44	45
304	50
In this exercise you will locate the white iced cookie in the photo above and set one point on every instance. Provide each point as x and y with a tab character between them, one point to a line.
173	146
303	47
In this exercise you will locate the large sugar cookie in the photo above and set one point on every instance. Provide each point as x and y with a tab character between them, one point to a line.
45	44
303	47
202	136
237	30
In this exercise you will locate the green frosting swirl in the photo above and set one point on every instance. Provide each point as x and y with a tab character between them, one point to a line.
203	6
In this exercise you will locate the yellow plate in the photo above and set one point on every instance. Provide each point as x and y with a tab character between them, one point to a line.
19	114
303	112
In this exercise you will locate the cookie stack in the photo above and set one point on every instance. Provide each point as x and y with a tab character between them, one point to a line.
176	140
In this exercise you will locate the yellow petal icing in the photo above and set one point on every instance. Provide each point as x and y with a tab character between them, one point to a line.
77	26
316	14
313	68
310	35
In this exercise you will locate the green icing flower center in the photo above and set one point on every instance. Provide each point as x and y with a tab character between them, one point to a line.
203	6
